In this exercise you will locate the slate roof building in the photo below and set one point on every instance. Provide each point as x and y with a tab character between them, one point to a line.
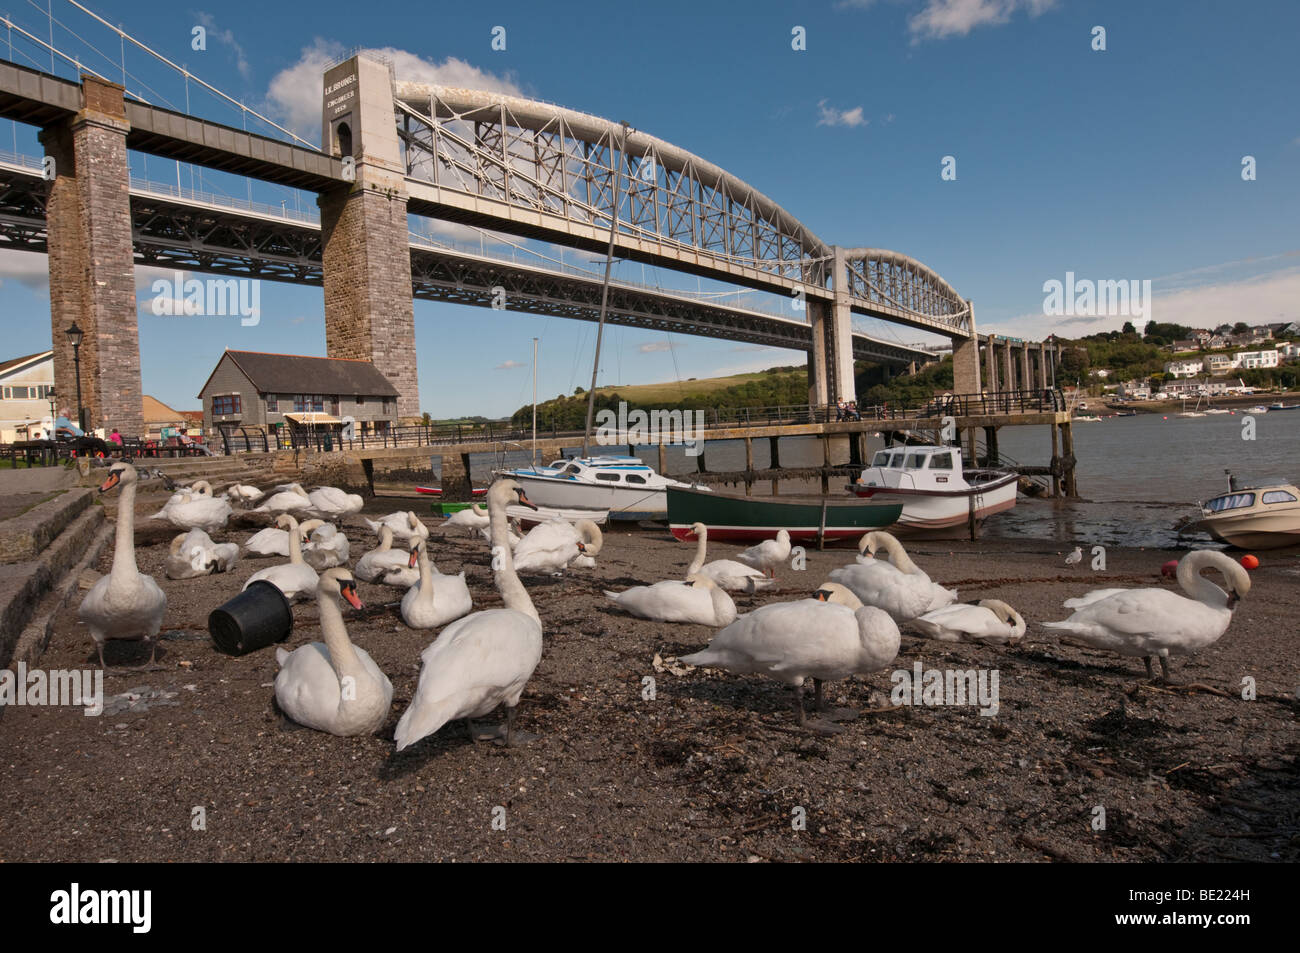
254	389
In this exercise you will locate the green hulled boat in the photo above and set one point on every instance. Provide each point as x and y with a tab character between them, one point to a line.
747	518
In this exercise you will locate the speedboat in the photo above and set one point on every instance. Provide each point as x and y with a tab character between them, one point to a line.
1256	517
938	494
625	486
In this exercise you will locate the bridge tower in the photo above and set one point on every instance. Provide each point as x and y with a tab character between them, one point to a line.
92	264
830	363
366	256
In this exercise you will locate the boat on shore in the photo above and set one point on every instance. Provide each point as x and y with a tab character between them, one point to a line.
937	493
747	518
624	486
437	491
1257	517
1281	406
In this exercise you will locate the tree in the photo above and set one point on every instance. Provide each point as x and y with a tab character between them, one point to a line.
1241	327
1128	328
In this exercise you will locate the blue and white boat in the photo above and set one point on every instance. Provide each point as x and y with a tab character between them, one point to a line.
625	486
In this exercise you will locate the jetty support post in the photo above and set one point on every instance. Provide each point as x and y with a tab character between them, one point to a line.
749	466
972	523
663	458
1067	452
1055	464
775	463
826	462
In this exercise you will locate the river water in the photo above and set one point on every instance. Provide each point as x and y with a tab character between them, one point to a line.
1137	475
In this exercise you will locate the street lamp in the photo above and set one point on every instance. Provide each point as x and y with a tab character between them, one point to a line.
53	416
75	334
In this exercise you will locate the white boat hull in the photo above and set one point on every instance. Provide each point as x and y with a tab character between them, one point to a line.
621	502
931	511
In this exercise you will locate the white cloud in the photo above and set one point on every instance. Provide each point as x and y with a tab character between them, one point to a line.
227	37
840	117
654	346
943	18
295	93
29	269
509	366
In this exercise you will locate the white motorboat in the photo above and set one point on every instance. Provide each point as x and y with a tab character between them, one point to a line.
1253	517
937	493
625	486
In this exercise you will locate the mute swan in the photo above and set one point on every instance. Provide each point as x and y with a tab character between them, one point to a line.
124	605
372	565
475	517
295	578
286	501
333	686
201	511
404	525
184	494
697	600
331	501
271	542
896	585
243	494
1157	623
434	600
326	546
768	554
485	659
195	554
552	546
826	638
727	573
991	621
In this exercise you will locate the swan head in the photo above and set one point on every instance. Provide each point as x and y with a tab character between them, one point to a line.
1235	577
700	581
699	530
120	473
592	541
417	527
339	581
506	492
286	522
783	536
838	594
415	552
202	488
1005	613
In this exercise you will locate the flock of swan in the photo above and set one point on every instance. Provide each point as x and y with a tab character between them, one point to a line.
482	660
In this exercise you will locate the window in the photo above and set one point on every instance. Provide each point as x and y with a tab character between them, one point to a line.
272	404
226	405
881	459
573	468
305	402
915	461
1232	501
941	461
1279	496
635	478
607	477
361	402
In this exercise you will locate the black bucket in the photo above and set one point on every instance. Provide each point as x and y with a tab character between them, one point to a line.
257	617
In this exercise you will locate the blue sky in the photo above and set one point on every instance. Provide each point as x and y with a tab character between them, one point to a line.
1116	164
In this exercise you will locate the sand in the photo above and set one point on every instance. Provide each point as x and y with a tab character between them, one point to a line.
711	767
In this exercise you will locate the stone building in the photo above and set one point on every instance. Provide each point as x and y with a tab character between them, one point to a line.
253	389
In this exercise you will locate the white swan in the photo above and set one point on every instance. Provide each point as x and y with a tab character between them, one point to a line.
200	510
768	554
326	546
434	600
404	525
896	585
270	542
552	546
485	659
243	494
372	565
697	600
286	501
195	554
185	494
1157	623
124	605
295	578
473	517
826	638
726	573
310	686
992	620
330	501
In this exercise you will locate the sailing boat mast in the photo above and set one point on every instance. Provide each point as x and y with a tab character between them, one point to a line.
534	402
604	290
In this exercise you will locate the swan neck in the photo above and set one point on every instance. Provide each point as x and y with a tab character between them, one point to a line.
343	654
701	547
507	581
898	556
1197	586
426	573
124	534
295	547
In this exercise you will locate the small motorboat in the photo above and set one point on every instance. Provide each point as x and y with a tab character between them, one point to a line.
938	494
1253	517
624	486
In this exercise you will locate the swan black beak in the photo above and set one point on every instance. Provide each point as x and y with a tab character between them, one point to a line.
582	547
524	500
349	590
1233	599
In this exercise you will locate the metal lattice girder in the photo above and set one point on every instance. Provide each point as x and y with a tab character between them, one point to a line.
547	172
890	285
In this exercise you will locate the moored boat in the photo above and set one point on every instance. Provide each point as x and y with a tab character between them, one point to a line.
1257	517
748	518
624	486
937	493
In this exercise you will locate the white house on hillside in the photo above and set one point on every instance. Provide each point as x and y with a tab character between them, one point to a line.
1184	368
26	384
